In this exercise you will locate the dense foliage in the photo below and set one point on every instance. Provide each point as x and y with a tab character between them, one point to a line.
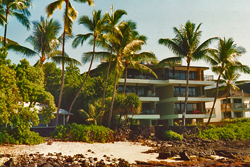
171	135
19	135
85	133
232	131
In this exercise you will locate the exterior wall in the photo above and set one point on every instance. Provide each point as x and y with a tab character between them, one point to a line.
165	91
217	109
165	108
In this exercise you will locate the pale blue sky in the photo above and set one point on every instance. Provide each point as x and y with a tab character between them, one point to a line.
155	19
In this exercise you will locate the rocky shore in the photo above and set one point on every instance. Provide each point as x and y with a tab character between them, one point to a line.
190	151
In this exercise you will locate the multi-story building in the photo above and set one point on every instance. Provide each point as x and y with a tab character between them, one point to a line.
163	97
237	104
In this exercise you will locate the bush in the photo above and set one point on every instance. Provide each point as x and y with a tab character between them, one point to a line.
19	135
233	131
171	135
85	133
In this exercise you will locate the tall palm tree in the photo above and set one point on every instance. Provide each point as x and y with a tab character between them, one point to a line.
123	47
96	26
224	57
112	28
70	14
133	58
229	81
18	9
44	38
186	46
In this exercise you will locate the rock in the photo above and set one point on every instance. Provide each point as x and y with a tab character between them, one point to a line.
164	155
184	156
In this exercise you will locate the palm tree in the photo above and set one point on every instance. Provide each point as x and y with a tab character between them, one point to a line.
229	81
123	46
44	38
186	46
18	9
223	58
113	28
134	59
92	115
70	14
96	26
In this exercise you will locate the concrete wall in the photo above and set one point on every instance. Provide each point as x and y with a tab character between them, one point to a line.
165	108
166	91
217	110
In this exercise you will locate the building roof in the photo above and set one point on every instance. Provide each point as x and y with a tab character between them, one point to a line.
223	93
41	106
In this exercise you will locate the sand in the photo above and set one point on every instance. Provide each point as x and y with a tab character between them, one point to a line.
130	151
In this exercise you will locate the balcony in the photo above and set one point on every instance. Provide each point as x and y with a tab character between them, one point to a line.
189	111
235	106
191	94
148	111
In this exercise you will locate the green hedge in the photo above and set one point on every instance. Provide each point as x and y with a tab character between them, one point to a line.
19	135
85	133
171	135
235	131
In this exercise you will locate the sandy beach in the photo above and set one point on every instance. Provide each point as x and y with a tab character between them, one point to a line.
130	151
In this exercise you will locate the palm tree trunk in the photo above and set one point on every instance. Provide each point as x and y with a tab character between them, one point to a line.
125	79
112	102
215	98
5	28
186	96
106	80
225	115
70	108
61	89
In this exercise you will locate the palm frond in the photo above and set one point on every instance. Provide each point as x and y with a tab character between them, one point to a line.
21	49
171	61
80	38
53	6
68	60
22	19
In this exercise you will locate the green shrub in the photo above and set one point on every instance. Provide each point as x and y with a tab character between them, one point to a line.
19	135
233	131
171	135
85	133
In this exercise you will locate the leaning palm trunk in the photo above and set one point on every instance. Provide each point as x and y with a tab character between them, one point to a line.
106	80
125	79
186	96
5	29
225	114
112	102
61	89
70	108
215	98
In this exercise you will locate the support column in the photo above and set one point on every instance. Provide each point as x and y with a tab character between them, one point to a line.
170	122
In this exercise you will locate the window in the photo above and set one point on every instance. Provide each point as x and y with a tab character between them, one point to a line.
224	101
237	100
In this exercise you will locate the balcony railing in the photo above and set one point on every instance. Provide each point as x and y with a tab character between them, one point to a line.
159	77
235	106
148	111
189	111
193	94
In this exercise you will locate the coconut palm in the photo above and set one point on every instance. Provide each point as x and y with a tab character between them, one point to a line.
70	14
186	45
18	9
112	28
44	38
121	48
223	58
96	26
229	81
92	115
133	58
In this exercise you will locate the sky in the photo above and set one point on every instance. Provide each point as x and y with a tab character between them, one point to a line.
154	19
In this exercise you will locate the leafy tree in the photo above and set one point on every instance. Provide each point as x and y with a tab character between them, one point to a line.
186	46
18	9
70	14
222	58
92	115
96	25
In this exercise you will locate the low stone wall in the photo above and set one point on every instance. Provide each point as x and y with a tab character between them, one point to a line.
45	132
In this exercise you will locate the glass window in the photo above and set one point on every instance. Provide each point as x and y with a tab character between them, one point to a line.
237	100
